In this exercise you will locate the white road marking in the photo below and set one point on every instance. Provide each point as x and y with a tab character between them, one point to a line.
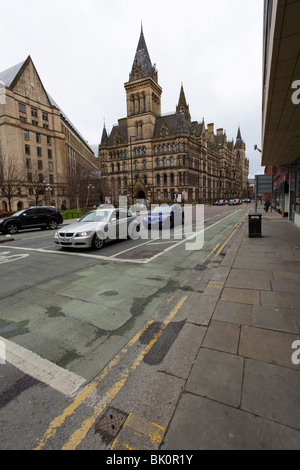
41	369
130	260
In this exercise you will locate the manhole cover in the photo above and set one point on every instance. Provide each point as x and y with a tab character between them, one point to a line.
110	424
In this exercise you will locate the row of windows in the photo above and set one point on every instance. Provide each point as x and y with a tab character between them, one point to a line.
117	166
38	137
168	147
38	151
39	164
40	178
34	112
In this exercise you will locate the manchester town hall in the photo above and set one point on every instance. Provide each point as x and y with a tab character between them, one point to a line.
167	158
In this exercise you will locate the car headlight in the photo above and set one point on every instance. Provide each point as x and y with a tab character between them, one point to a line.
83	234
56	233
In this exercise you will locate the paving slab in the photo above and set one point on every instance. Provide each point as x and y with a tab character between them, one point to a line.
233	312
203	424
248	283
218	376
276	299
222	337
272	392
279	319
274	347
244	296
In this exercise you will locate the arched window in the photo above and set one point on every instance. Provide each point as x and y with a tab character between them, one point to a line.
157	179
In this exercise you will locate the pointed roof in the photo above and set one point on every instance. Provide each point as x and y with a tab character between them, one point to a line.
142	59
182	104
239	141
8	76
104	139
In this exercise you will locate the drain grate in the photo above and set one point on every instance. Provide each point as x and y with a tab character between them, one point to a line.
109	425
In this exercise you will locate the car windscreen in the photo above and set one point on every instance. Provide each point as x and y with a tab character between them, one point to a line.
17	214
162	210
98	216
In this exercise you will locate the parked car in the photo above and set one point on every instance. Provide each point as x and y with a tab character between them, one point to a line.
231	202
164	216
34	217
238	201
97	226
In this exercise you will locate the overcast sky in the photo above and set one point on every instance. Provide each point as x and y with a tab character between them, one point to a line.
84	49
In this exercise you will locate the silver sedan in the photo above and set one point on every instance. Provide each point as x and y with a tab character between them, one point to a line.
96	226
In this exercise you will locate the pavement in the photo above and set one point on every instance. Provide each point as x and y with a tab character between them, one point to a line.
242	373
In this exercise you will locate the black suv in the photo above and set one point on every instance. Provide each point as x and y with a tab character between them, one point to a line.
33	217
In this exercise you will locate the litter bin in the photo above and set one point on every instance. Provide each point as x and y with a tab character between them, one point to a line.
254	225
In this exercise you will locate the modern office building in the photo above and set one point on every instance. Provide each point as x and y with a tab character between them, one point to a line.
281	103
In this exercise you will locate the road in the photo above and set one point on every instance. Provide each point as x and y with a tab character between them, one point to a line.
75	325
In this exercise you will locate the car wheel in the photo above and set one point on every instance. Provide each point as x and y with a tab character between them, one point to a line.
12	229
134	231
97	243
52	224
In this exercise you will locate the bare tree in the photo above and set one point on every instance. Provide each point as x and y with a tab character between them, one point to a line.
11	179
81	179
37	183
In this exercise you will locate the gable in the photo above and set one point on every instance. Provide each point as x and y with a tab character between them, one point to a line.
27	83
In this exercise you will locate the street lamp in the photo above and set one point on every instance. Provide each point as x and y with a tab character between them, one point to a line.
47	188
90	186
256	148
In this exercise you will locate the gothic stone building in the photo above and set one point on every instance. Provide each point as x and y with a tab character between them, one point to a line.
164	158
41	151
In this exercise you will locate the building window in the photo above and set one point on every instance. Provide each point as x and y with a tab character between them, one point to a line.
145	165
28	163
29	177
26	135
34	112
48	140
49	153
165	163
41	178
45	116
40	165
51	178
145	179
39	151
157	163
27	149
158	179
136	165
22	108
50	166
38	138
34	123
172	161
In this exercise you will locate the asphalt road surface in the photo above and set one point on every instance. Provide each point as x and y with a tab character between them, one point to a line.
73	324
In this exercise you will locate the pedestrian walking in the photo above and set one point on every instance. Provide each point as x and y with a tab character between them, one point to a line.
267	205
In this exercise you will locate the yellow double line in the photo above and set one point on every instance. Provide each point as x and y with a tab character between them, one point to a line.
80	433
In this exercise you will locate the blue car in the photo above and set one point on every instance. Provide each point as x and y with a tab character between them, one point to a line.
164	216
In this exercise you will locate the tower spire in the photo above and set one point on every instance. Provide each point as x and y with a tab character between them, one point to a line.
182	106
142	66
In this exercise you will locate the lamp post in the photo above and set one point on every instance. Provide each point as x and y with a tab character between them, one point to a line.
47	188
131	171
90	186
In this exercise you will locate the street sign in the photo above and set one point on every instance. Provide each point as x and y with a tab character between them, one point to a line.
264	184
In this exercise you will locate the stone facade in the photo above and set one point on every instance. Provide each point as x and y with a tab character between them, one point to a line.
163	158
39	147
